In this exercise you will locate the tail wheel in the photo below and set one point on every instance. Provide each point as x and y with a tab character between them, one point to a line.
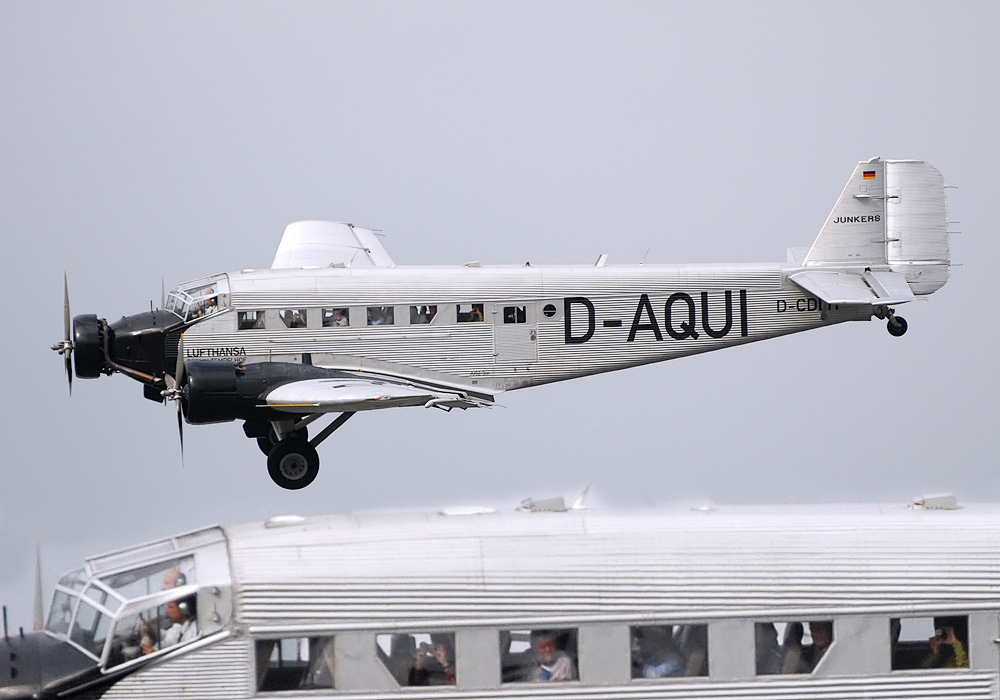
896	326
293	463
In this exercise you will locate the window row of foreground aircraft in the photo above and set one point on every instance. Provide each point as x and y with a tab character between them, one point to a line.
336	327
814	601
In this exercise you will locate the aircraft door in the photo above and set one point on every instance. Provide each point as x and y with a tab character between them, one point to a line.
515	333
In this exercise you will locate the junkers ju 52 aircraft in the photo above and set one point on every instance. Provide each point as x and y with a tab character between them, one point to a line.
335	326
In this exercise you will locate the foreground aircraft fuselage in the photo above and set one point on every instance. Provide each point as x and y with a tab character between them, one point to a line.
712	602
334	326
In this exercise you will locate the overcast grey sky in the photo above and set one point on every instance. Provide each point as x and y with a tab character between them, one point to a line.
145	140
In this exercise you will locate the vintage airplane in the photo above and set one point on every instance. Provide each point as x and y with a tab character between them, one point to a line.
335	326
748	602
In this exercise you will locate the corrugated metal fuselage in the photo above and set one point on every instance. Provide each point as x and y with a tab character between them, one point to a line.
577	320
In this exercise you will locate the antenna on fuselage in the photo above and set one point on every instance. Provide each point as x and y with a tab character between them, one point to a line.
644	256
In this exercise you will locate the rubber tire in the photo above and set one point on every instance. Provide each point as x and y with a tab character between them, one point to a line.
293	464
897	329
266	444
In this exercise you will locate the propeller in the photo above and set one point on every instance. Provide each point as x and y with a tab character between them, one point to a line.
173	392
65	348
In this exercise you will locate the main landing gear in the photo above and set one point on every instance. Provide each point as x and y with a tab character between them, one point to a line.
292	460
896	325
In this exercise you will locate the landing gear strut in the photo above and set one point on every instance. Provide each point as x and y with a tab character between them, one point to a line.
292	460
896	325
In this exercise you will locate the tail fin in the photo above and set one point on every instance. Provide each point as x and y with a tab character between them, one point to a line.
892	214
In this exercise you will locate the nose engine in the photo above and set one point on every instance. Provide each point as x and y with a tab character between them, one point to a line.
90	337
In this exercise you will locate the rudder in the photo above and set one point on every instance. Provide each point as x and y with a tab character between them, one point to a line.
891	215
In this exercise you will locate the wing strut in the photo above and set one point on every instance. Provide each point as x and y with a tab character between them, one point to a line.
328	430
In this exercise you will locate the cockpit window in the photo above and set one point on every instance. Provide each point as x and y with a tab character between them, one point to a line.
90	630
104	598
150	579
74	579
60	613
154	629
198	299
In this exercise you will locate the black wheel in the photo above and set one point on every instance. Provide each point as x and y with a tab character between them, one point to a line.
266	444
293	464
896	326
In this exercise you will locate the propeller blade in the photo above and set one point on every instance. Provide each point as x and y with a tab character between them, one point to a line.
163	293
66	328
66	331
180	429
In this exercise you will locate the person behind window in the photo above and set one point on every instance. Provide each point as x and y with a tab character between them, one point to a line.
339	319
183	615
476	315
822	637
434	665
658	653
948	645
551	662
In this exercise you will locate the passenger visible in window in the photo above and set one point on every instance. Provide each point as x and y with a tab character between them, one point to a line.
476	315
422	314
657	652
434	665
769	656
822	637
551	663
380	315
948	645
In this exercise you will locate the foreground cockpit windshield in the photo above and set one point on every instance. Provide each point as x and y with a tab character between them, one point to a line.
127	606
193	300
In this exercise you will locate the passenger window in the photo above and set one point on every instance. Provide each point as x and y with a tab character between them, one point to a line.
380	315
515	314
418	659
929	642
293	318
336	318
666	651
538	656
470	313
294	663
802	646
247	320
422	314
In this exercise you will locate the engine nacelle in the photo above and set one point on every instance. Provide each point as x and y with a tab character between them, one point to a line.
211	392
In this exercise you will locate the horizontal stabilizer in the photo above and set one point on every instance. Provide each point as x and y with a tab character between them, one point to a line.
329	244
882	287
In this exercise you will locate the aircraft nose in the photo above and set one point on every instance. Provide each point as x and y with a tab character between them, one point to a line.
20	673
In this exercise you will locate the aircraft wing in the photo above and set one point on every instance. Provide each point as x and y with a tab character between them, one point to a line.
329	244
881	287
363	393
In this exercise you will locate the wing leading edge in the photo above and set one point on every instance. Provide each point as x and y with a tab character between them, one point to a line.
364	393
